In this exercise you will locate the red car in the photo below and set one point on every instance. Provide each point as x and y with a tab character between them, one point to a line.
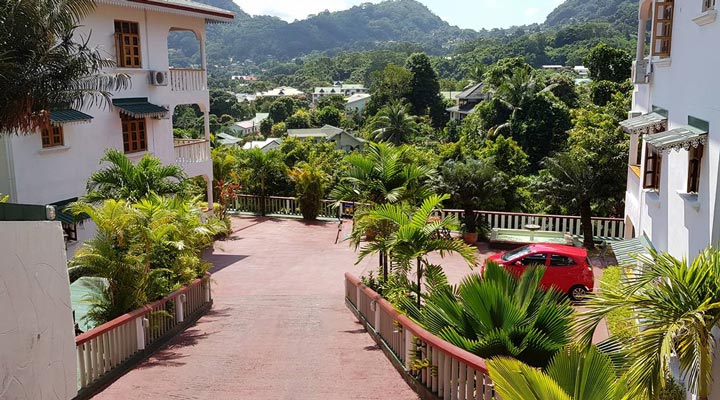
567	268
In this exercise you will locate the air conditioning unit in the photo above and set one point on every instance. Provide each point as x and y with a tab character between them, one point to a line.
159	78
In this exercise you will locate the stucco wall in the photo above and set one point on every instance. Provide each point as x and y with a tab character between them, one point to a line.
37	342
686	86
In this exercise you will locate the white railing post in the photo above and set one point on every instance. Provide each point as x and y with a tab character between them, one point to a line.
375	306
410	356
358	292
140	325
208	294
180	308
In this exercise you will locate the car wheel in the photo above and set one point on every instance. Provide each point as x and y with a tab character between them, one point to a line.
578	293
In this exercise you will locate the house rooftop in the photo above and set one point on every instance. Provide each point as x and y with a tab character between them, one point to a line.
474	92
210	13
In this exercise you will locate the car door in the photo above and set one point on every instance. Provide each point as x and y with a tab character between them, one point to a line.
528	260
561	272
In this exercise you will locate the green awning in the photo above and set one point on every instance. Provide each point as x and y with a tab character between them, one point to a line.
626	250
59	117
63	214
139	107
678	138
648	123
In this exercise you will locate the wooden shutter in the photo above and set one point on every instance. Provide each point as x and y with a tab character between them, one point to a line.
662	28
694	162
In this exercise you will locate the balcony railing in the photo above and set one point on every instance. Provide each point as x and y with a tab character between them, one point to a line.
439	369
603	228
115	344
187	79
189	151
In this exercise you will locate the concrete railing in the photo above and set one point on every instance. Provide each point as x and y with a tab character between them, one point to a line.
187	79
434	367
117	344
603	228
192	150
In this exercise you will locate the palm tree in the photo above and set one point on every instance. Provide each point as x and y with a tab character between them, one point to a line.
413	236
471	183
383	175
256	168
394	124
676	306
42	65
518	88
498	314
124	180
310	182
573	374
570	178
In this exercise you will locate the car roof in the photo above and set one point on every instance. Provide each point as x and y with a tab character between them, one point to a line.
559	248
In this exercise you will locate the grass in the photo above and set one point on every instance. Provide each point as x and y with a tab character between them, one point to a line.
620	322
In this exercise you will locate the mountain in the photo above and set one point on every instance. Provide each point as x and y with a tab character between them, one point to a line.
361	27
620	13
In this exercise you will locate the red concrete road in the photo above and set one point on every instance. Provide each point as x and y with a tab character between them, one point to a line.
279	328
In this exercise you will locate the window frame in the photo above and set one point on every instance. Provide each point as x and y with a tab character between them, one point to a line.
662	28
52	136
138	126
695	155
127	39
653	168
572	262
544	263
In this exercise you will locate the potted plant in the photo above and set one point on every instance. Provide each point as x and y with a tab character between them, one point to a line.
469	226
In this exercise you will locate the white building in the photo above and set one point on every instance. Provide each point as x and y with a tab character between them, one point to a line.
343	140
249	126
340	89
466	101
264	145
53	166
281	92
672	183
357	102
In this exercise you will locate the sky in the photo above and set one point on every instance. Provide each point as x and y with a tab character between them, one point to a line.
472	14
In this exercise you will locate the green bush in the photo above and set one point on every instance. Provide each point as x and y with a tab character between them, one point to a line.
620	322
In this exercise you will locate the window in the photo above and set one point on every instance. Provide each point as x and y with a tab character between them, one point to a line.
561	261
127	44
134	137
636	156
708	5
662	28
69	231
535	259
653	165
694	161
512	254
52	136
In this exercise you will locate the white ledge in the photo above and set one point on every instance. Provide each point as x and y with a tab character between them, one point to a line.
661	61
53	149
706	17
652	197
690	199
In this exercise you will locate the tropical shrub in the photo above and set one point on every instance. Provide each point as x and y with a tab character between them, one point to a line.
499	314
310	181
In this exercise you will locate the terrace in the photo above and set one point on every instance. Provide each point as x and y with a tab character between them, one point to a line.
279	327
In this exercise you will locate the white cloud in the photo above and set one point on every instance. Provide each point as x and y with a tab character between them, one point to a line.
531	12
290	10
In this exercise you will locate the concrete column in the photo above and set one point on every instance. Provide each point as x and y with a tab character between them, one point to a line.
377	316
180	308
140	324
208	294
206	123
209	190
409	349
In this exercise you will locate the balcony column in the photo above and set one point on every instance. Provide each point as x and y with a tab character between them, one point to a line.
643	16
209	190
206	124
201	39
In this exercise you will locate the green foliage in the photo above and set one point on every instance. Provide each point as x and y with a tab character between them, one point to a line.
573	374
299	120
261	173
47	65
472	185
621	321
124	180
4	199
394	124
607	63
142	251
278	130
498	314
329	115
335	100
222	102
392	84
676	304
310	183
602	92
282	108
266	126
424	87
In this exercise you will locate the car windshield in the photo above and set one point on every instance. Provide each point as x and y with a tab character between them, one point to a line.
523	251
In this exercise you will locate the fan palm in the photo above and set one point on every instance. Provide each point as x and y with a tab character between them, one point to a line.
44	65
394	124
383	175
413	236
122	179
676	305
572	180
573	374
499	314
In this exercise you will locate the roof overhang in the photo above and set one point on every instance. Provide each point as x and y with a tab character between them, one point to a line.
627	251
62	117
677	139
139	107
184	7
645	124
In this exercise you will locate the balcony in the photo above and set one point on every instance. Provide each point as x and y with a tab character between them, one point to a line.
192	151
187	79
